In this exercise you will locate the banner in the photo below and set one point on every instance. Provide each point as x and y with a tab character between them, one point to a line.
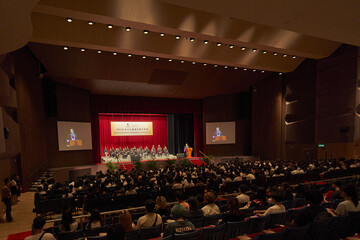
131	128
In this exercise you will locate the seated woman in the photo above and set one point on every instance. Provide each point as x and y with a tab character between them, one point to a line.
161	206
234	214
276	199
95	220
67	224
351	203
211	208
180	225
194	211
125	220
150	219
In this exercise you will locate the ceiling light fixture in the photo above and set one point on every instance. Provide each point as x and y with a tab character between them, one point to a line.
157	59
205	64
218	44
264	52
206	41
66	48
110	26
128	29
177	37
262	71
254	49
83	49
235	68
225	66
91	23
114	53
275	53
69	20
182	61
170	60
129	55
284	55
162	34
254	70
193	62
243	48
280	74
192	39
215	65
294	56
144	57
245	69
99	51
231	46
146	32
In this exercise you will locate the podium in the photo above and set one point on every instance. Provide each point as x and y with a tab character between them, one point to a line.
188	152
220	138
74	143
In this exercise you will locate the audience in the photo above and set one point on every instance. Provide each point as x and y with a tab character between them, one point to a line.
234	214
350	204
37	230
116	232
210	208
242	197
150	219
125	220
194	211
95	220
179	195
68	224
180	225
276	199
161	206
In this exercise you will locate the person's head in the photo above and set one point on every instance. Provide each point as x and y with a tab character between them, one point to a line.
150	205
71	130
66	220
336	184
233	205
210	197
116	232
178	211
179	195
161	202
276	197
192	203
314	197
125	220
200	198
38	223
349	191
243	188
95	216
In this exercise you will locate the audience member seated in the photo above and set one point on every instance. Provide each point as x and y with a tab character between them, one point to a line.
234	214
125	220
150	219
259	199
177	183
200	200
115	232
242	197
68	224
336	191
314	210
180	225
179	195
276	199
95	220
161	206
194	211
287	191
351	203
67	194
37	230
211	208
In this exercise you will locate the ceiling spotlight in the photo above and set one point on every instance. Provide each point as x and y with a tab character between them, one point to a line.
114	53
235	68
146	32
218	44
170	60
262	71
99	51
162	34
225	66
280	74
245	69
83	49
182	61
205	64
66	48
128	29
215	65
254	70
275	53
231	46
254	49
193	62
110	26
264	52
129	55
243	48
144	57
206	41
177	37
157	59
192	39
91	23
284	55
294	56
69	20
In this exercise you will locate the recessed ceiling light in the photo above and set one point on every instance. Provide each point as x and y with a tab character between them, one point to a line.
284	55
69	20
231	46
245	69
264	51
110	26
262	71
275	53
243	48
182	61
157	59
206	41
146	32
280	73
177	37
218	44
129	55
294	56
205	64
66	48
91	23
170	60
143	56
114	53
254	49
128	29
225	66
99	51
83	49
215	65
192	39
193	62
235	68
162	34
254	70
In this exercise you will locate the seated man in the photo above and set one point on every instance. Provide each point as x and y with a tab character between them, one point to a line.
242	197
150	219
276	199
37	230
180	225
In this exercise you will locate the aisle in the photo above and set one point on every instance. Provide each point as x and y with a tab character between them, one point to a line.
22	214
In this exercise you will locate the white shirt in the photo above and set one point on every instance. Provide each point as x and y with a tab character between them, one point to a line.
250	177
47	236
210	209
275	209
243	198
346	206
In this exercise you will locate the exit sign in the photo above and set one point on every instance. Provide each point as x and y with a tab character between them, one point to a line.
321	145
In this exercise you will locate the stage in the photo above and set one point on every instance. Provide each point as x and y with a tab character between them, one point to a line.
128	159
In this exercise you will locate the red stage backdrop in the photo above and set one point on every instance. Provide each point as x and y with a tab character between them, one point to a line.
159	131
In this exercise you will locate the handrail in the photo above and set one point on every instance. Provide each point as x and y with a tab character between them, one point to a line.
36	170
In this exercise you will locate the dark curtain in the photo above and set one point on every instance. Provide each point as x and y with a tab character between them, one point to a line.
180	128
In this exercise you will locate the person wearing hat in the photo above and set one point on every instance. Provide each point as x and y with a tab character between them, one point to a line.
180	225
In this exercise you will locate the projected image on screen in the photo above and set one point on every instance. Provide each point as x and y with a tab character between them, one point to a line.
74	136
220	133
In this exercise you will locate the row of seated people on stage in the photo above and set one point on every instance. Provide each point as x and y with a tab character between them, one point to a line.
184	215
140	151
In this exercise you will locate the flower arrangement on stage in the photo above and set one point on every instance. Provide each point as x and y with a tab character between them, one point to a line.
111	166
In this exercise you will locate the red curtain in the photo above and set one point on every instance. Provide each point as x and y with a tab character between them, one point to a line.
159	136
